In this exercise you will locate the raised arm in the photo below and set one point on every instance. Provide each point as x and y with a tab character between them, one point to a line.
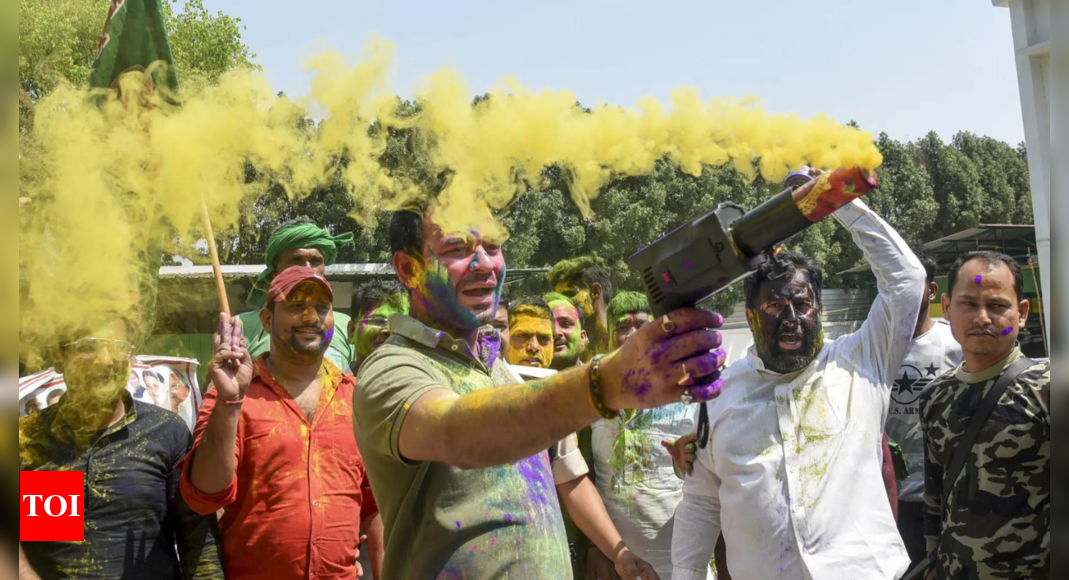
506	424
886	336
212	471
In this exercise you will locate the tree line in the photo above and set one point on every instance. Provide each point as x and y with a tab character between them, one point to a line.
929	189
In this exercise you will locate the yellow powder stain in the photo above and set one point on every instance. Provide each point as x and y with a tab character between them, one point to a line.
122	183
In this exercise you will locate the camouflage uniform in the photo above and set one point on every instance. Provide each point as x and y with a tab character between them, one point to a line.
997	525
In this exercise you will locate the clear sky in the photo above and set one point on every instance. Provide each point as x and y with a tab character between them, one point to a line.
903	66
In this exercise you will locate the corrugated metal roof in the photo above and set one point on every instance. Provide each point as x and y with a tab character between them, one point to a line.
1016	240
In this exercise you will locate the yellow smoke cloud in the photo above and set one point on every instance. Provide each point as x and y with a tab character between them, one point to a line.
126	180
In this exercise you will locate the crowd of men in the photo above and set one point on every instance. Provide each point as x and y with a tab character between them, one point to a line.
401	442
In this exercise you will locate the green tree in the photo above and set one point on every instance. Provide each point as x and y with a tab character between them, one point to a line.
58	40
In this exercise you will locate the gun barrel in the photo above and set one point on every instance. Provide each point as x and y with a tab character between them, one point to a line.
792	211
768	225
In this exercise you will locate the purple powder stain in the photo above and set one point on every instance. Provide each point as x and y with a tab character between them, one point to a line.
1008	331
328	337
508	518
459	525
688	265
979	279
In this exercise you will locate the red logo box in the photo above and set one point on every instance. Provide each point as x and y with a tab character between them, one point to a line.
52	506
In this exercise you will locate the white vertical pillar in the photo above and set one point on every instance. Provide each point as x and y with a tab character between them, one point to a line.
1031	39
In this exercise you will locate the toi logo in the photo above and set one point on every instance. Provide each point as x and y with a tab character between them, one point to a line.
52	506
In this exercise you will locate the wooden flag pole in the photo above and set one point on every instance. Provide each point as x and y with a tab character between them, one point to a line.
220	286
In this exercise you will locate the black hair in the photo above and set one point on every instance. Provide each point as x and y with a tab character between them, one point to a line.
504	302
795	262
158	377
930	267
584	271
534	306
377	292
406	233
990	259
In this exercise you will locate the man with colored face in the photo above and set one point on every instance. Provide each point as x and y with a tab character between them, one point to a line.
531	334
570	339
790	460
628	312
586	282
992	520
297	243
532	339
373	304
131	449
277	431
457	451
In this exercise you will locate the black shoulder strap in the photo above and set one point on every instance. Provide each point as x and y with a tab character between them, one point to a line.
983	412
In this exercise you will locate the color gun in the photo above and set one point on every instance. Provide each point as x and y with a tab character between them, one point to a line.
728	244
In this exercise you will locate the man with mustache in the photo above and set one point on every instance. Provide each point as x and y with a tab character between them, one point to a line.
531	334
586	281
274	446
373	304
790	457
457	451
128	451
993	519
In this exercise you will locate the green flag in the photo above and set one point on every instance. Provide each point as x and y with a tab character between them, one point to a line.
134	38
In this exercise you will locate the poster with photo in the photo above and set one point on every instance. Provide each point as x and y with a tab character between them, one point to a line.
167	382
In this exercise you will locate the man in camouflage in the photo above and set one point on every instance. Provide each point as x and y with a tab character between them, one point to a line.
996	523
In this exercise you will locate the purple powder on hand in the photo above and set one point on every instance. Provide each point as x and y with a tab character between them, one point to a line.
979	279
1008	331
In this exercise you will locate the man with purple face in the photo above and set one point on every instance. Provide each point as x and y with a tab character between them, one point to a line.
790	460
456	450
988	512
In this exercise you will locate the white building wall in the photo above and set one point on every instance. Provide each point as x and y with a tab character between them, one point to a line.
1031	22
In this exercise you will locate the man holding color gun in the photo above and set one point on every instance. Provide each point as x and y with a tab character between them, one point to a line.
456	451
789	465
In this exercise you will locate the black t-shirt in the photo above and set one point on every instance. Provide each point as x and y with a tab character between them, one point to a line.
136	524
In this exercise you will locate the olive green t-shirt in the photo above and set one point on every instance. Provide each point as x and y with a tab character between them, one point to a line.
340	352
442	522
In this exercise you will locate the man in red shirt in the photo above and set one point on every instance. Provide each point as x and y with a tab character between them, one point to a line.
274	446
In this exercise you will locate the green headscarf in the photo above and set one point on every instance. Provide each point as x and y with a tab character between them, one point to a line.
295	237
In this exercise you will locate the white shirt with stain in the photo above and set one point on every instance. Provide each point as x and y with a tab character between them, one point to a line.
792	474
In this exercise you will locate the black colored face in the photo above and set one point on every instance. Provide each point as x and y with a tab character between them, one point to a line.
786	324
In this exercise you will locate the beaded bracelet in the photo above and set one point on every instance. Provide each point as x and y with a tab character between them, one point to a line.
596	396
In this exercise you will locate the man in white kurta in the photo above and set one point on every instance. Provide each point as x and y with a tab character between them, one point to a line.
791	473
